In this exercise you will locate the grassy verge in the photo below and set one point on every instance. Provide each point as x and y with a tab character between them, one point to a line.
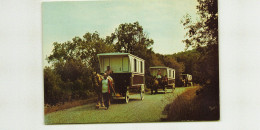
66	105
194	106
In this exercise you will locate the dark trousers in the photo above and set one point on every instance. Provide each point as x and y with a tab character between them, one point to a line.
106	99
99	95
99	100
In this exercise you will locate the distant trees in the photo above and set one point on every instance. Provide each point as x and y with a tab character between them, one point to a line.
190	59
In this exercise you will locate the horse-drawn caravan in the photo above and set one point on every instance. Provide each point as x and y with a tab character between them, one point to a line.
164	77
186	80
127	72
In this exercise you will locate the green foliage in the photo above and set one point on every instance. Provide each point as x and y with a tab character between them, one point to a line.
52	82
203	32
131	38
203	36
190	59
72	63
69	77
83	50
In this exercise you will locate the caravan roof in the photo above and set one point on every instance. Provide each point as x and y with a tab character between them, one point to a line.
118	54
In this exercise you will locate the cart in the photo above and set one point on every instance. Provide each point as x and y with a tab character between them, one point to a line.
165	72
186	80
127	74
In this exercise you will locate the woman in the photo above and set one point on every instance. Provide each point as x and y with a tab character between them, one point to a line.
106	86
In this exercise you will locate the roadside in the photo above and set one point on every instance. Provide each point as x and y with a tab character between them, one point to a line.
62	106
67	105
192	107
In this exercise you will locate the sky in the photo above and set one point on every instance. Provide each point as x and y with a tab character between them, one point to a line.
160	19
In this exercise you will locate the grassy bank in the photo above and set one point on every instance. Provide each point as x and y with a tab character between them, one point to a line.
194	105
66	105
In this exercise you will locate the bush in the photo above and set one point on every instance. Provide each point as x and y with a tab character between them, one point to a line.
52	89
68	88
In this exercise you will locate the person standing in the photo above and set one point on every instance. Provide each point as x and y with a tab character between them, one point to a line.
106	86
109	72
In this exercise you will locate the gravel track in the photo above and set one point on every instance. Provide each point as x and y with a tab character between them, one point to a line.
147	110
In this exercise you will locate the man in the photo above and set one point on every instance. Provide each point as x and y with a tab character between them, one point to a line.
108	71
106	86
96	81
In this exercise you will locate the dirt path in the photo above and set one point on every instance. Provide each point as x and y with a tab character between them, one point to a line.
147	110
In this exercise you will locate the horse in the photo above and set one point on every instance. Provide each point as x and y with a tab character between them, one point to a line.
155	85
164	82
100	78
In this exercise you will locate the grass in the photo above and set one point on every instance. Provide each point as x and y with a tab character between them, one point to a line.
192	107
66	105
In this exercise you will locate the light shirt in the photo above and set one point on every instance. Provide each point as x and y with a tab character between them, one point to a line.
104	85
159	76
110	78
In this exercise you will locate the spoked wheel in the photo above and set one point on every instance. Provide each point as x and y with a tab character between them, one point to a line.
127	97
173	88
142	95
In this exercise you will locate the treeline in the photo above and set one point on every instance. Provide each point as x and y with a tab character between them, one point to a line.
201	64
202	35
71	63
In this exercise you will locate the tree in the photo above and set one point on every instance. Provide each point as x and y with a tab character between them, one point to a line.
84	50
52	81
72	62
203	32
203	36
131	39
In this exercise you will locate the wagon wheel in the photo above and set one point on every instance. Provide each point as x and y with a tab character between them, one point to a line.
173	88
126	97
142	93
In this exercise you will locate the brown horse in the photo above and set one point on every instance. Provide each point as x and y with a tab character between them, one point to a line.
164	82
97	80
155	85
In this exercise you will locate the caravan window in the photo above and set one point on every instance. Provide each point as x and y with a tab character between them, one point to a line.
135	65
169	73
141	67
